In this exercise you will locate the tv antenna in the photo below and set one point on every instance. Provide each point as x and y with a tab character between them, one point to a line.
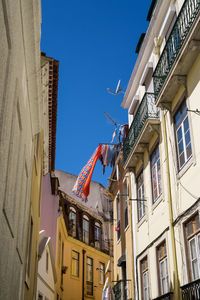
117	91
107	115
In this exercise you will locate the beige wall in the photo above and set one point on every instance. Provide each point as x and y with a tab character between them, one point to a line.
32	238
19	122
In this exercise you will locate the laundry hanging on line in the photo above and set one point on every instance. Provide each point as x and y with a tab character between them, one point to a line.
107	153
82	186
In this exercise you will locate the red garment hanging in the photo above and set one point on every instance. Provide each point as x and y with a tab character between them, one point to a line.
86	188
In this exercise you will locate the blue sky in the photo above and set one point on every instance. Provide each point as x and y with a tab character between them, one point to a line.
95	43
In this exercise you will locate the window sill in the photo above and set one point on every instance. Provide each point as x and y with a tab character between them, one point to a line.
188	164
139	224
75	277
127	227
89	296
155	204
119	240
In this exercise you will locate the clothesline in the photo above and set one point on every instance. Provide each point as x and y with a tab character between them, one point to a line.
107	153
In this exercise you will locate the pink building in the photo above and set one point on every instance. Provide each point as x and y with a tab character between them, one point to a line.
49	207
49	199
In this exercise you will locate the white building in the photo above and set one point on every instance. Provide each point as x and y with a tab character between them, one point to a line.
162	152
46	278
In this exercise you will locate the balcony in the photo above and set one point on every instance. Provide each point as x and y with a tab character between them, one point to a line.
123	288
168	296
145	122
179	53
191	290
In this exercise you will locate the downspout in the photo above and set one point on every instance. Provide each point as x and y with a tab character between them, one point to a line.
83	274
171	227
135	275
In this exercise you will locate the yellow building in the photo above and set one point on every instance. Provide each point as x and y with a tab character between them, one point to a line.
82	251
123	271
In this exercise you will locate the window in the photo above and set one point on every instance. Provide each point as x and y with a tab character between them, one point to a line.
97	235
72	222
62	261
140	196
144	279
75	263
118	229
59	247
40	297
156	174
126	199
192	231
101	273
183	140
30	248
89	276
47	261
86	229
163	268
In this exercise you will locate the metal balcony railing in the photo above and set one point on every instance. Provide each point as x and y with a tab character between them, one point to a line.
117	290
191	291
121	285
168	296
185	19
146	109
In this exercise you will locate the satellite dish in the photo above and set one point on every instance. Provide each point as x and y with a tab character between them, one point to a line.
117	91
107	267
105	285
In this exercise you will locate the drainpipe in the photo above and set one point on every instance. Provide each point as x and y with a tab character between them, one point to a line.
171	227
83	274
134	267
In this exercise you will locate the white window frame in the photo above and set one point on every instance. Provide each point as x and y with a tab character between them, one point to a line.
101	273
140	195
73	213
197	258
159	192
165	277
118	210
181	126
125	202
145	287
86	239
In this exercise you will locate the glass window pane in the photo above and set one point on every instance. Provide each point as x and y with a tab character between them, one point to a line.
195	272
186	125
181	159
179	135
193	249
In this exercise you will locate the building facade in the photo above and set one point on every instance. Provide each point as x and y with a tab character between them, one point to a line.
49	198
20	123
46	276
83	247
161	152
119	185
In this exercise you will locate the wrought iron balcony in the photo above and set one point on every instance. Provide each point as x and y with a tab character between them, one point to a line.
117	290
146	110
191	290
123	288
179	33
168	296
